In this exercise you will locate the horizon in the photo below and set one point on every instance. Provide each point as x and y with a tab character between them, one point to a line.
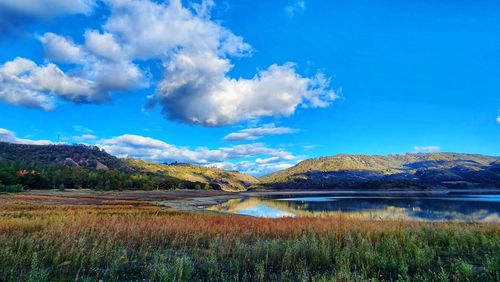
250	86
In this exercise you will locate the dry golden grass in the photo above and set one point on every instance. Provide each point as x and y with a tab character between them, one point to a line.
143	241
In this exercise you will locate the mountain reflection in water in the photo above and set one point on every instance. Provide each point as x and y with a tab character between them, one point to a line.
423	207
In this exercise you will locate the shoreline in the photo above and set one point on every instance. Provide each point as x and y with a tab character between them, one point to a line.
196	201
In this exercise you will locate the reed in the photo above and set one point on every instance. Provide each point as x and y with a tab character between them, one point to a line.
134	242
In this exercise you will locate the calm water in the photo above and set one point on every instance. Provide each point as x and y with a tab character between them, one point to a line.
453	206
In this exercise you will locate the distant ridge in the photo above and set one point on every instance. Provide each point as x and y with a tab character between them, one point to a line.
419	170
403	171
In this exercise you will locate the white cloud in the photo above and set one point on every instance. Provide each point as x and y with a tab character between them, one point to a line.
17	95
25	83
195	89
295	7
255	158
498	119
426	149
101	60
10	137
47	8
239	157
103	44
252	168
22	82
267	160
60	49
258	132
155	30
152	149
196	54
113	75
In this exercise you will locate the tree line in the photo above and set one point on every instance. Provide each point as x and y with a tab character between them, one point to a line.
16	176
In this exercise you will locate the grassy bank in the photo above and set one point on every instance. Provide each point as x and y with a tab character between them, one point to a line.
134	242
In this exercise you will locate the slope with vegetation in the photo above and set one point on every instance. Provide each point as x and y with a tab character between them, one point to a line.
88	157
405	170
79	166
222	179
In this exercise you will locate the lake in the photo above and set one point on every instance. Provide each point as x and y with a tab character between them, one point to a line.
422	206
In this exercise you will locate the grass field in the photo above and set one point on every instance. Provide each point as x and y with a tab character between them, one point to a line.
137	240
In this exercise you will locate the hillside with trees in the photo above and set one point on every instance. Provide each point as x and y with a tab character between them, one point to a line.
79	166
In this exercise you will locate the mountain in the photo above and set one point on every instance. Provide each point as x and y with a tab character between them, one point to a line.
80	166
429	170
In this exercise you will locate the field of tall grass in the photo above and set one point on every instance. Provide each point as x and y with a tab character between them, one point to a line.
134	242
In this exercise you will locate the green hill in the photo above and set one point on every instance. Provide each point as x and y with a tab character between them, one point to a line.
418	170
80	166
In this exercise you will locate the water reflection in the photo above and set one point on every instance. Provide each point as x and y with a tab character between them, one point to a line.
428	207
262	210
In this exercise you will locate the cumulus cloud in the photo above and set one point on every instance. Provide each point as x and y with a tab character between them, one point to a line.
100	60
196	90
196	53
155	30
295	7
196	87
94	76
23	82
10	137
426	149
258	132
237	157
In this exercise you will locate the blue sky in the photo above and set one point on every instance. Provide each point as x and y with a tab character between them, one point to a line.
254	86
